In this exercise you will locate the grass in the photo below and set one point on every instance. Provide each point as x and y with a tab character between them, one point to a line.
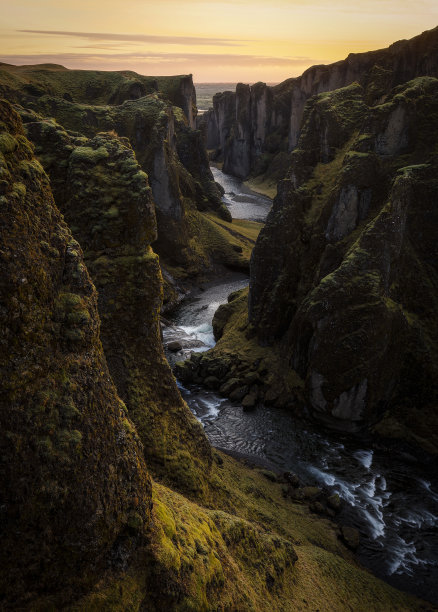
238	552
262	185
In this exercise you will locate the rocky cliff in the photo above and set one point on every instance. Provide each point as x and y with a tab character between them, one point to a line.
75	493
106	199
156	115
28	84
253	128
343	275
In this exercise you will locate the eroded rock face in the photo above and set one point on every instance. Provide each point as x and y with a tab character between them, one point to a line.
342	301
332	276
75	493
106	199
251	141
158	124
247	127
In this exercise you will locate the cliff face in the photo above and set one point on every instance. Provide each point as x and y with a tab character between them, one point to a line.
253	128
78	526
158	122
343	275
74	487
28	84
106	200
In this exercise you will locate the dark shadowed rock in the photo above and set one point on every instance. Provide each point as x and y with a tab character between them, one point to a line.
74	487
174	346
351	537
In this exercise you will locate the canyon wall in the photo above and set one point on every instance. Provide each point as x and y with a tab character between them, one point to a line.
83	526
74	487
252	128
106	199
157	116
342	308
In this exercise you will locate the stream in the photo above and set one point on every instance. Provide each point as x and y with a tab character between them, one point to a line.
390	495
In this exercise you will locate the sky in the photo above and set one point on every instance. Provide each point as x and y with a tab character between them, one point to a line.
227	41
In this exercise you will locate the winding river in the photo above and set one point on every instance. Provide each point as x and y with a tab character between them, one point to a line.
390	495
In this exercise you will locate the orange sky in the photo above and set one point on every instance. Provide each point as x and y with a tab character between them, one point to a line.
225	41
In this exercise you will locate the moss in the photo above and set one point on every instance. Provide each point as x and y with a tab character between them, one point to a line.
112	213
89	155
60	414
264	186
221	558
8	144
19	190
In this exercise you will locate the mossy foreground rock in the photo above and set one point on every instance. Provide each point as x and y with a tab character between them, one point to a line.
72	473
343	275
106	199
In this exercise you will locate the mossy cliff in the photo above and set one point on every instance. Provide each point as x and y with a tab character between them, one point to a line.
26	84
158	120
73	480
342	301
106	200
254	128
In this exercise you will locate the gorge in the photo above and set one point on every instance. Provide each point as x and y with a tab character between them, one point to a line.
302	423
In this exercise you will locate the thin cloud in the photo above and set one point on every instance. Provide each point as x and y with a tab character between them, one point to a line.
195	59
141	38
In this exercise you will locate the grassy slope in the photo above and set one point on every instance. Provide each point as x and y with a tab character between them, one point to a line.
264	186
237	555
228	244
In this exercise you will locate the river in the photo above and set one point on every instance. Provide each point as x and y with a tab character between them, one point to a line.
389	494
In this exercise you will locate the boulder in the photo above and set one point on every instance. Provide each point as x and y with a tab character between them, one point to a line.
334	502
174	346
249	401
350	536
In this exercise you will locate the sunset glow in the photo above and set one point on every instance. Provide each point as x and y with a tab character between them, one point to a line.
215	41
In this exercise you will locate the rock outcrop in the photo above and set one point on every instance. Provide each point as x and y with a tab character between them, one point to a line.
105	197
253	128
157	119
343	275
75	494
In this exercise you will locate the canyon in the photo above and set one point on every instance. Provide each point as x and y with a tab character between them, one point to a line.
112	496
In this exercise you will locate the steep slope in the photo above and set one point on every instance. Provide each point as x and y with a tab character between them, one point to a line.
343	289
75	493
254	128
106	199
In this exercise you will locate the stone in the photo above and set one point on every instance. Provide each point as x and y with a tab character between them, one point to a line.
317	507
229	386
350	536
311	492
334	502
211	382
174	346
251	378
249	401
292	479
269	475
238	394
183	371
